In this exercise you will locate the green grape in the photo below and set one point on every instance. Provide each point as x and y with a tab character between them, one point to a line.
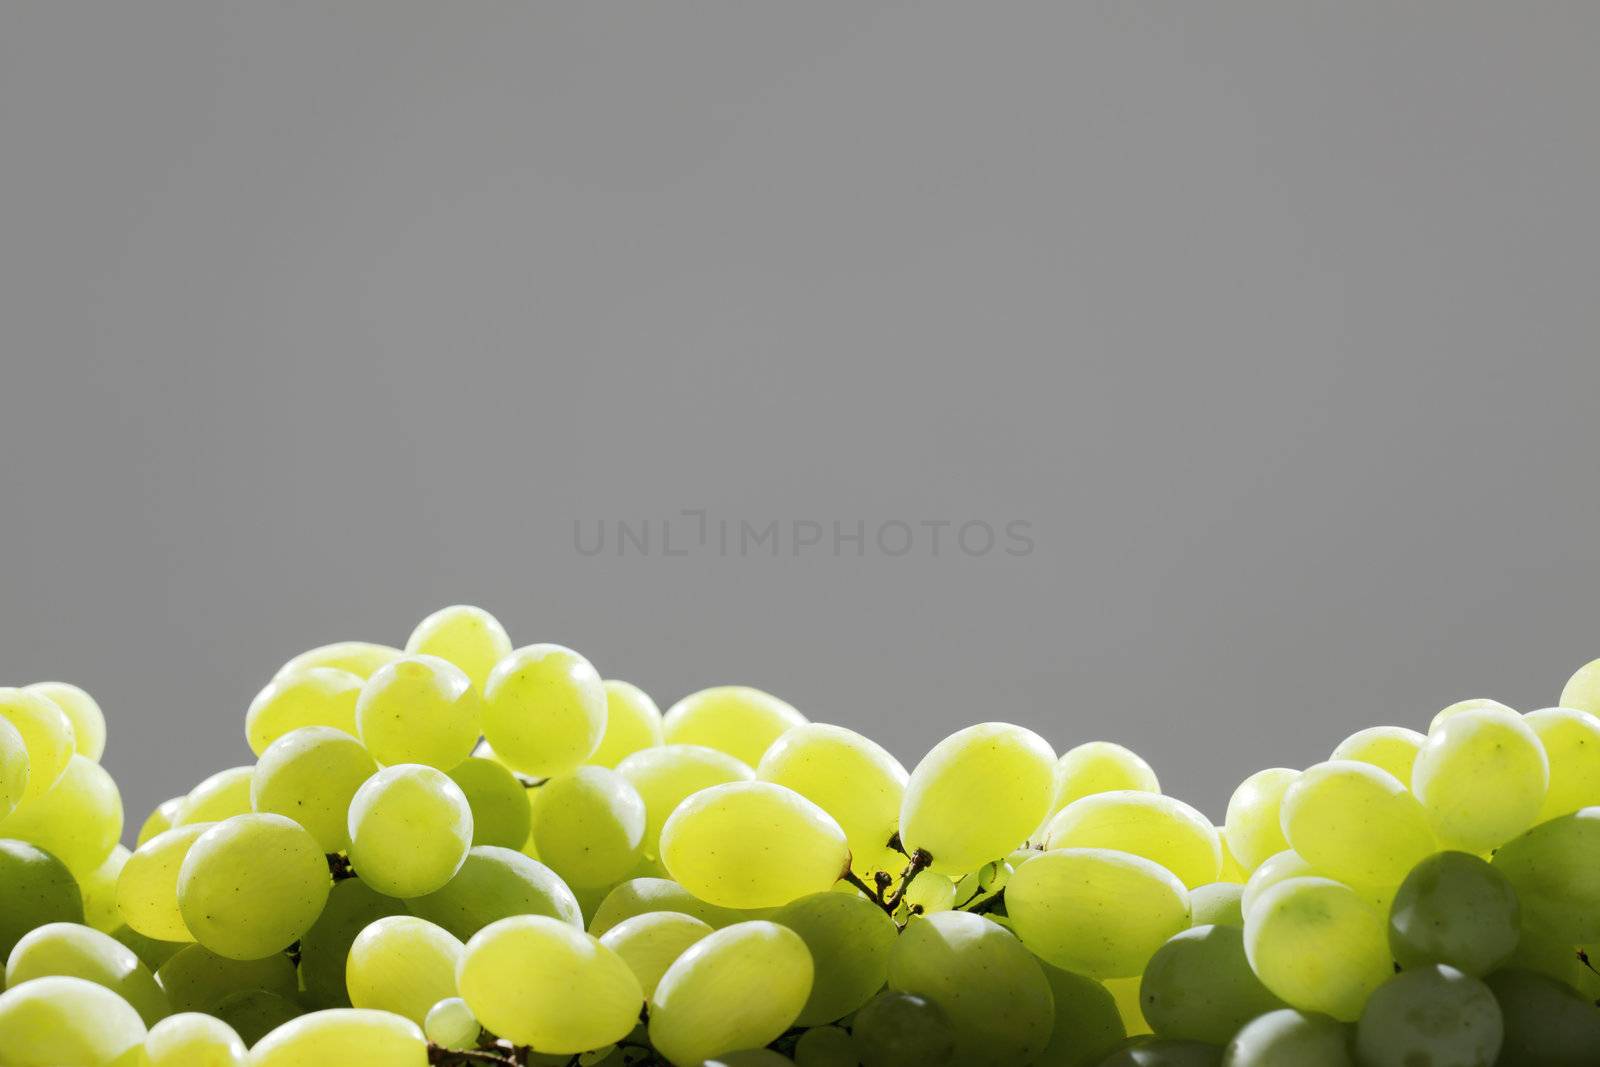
651	942
1217	904
1460	706
539	981
753	845
74	951
736	719
352	907
639	896
1317	945
310	775
1545	1023
451	1024
78	820
544	710
1571	740
737	988
312	696
1289	1038
419	709
930	892
1455	909
1088	1026
196	979
46	734
825	1046
221	796
151	952
849	939
977	795
1095	911
633	723
1100	767
360	658
1552	867
1199	986
1285	865
160	820
845	774
1388	748
252	885
99	889
88	721
1156	827
1549	952
402	964
35	889
194	1040
1482	777
147	890
499	803
1005	1018
666	775
255	1013
1582	691
410	829
896	1029
493	884
589	826
1232	869
981	884
1356	822
1125	994
348	1037
1434	1014
1253	825
1164	1052
56	1021
468	637
13	768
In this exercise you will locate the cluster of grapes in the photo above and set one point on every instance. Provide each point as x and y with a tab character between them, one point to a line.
463	853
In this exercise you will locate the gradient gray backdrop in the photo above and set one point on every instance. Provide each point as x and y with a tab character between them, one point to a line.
1277	322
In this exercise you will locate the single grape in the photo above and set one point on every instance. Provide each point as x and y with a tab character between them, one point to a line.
88	721
78	820
196	979
633	722
1571	740
1232	869
1582	690
1545	1023
1389	748
46	734
1088	1026
252	885
419	709
1461	706
360	658
1434	1015
194	1040
451	1024
849	939
1199	986
402	964
928	893
53	1021
896	1029
221	796
825	1046
493	884
1482	778
35	889
1290	1038
544	710
849	776
588	826
1156	827
159	820
75	951
352	1037
313	696
1552	867
147	890
652	942
255	1013
410	830
639	896
1281	867
1356	823
1317	945
1217	904
310	775
1100	767
667	775
468	637
13	768
736	719
1253	825
498	801
1455	909
99	889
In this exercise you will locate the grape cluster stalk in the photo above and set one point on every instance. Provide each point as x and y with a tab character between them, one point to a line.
458	851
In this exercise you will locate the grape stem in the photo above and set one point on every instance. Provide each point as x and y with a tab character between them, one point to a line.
879	892
994	903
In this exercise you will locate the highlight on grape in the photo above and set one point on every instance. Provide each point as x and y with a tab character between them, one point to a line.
460	852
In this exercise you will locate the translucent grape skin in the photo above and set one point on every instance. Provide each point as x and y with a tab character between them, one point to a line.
1390	748
652	942
147	890
1433	1014
1455	909
252	885
1318	945
325	949
61	1020
849	776
1088	1025
404	965
351	1036
493	884
639	896
13	768
589	826
467	637
1199	986
35	889
1356	822
82	710
897	1029
1100	767
1157	827
633	722
99	890
410	830
1544	1022
78	819
1253	825
1582	690
1290	1038
1482	778
191	1039
310	775
311	696
736	719
1552	868
195	979
76	951
419	709
498	801
46	734
220	796
667	775
544	710
849	939
451	1024
1571	740
1217	904
159	820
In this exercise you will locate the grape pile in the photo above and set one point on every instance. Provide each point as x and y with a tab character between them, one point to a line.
464	853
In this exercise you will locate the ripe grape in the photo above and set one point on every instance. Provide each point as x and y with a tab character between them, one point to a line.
419	709
88	721
312	696
1356	823
1552	867
1545	1023
78	819
849	939
493	884
410	830
99	890
310	775
159	820
498	801
451	1024
1281	867
1571	740
897	1029
849	776
468	637
147	891
1434	1014
1100	767
633	722
1290	1038
35	889
220	796
1199	986
194	1040
1460	706
1482	778
1088	1026
46	734
348	1036
53	1021
544	710
197	979
1455	909
251	885
76	951
639	896
1156	827
13	768
1582	690
1317	945
255	1013
352	907
360	658
1253	824
650	943
402	964
1217	904
825	1046
736	719
589	826
667	775
1389	748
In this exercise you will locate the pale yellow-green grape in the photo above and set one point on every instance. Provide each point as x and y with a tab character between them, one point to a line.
1571	740
825	1046
451	1024
78	820
88	721
360	658
498	801
588	826
1252	823
1318	945
402	964
930	892
1217	904
541	982
310	776
1157	827
349	1037
667	774
845	774
352	906
639	896
419	709
100	892
221	796
410	829
849	939
1088	1026
51	1022
1582	690
466	636
544	710
1553	869
151	952
1474	704
194	1040
46	734
1433	1014
251	885
977	795
147	889
753	845
160	820
651	942
897	1029
493	884
985	882
1125	994
1100	767
197	979
1232	869
1006	1016
76	951
1546	1022
1390	748
738	988
1285	865
633	722
313	696
255	1013
1356	823
1455	909
736	719
13	768
1199	986
1289	1038
1095	911
1482	778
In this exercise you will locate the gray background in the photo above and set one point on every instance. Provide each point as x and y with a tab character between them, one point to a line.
1277	322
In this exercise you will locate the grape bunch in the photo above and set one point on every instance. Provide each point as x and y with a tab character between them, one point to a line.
461	852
